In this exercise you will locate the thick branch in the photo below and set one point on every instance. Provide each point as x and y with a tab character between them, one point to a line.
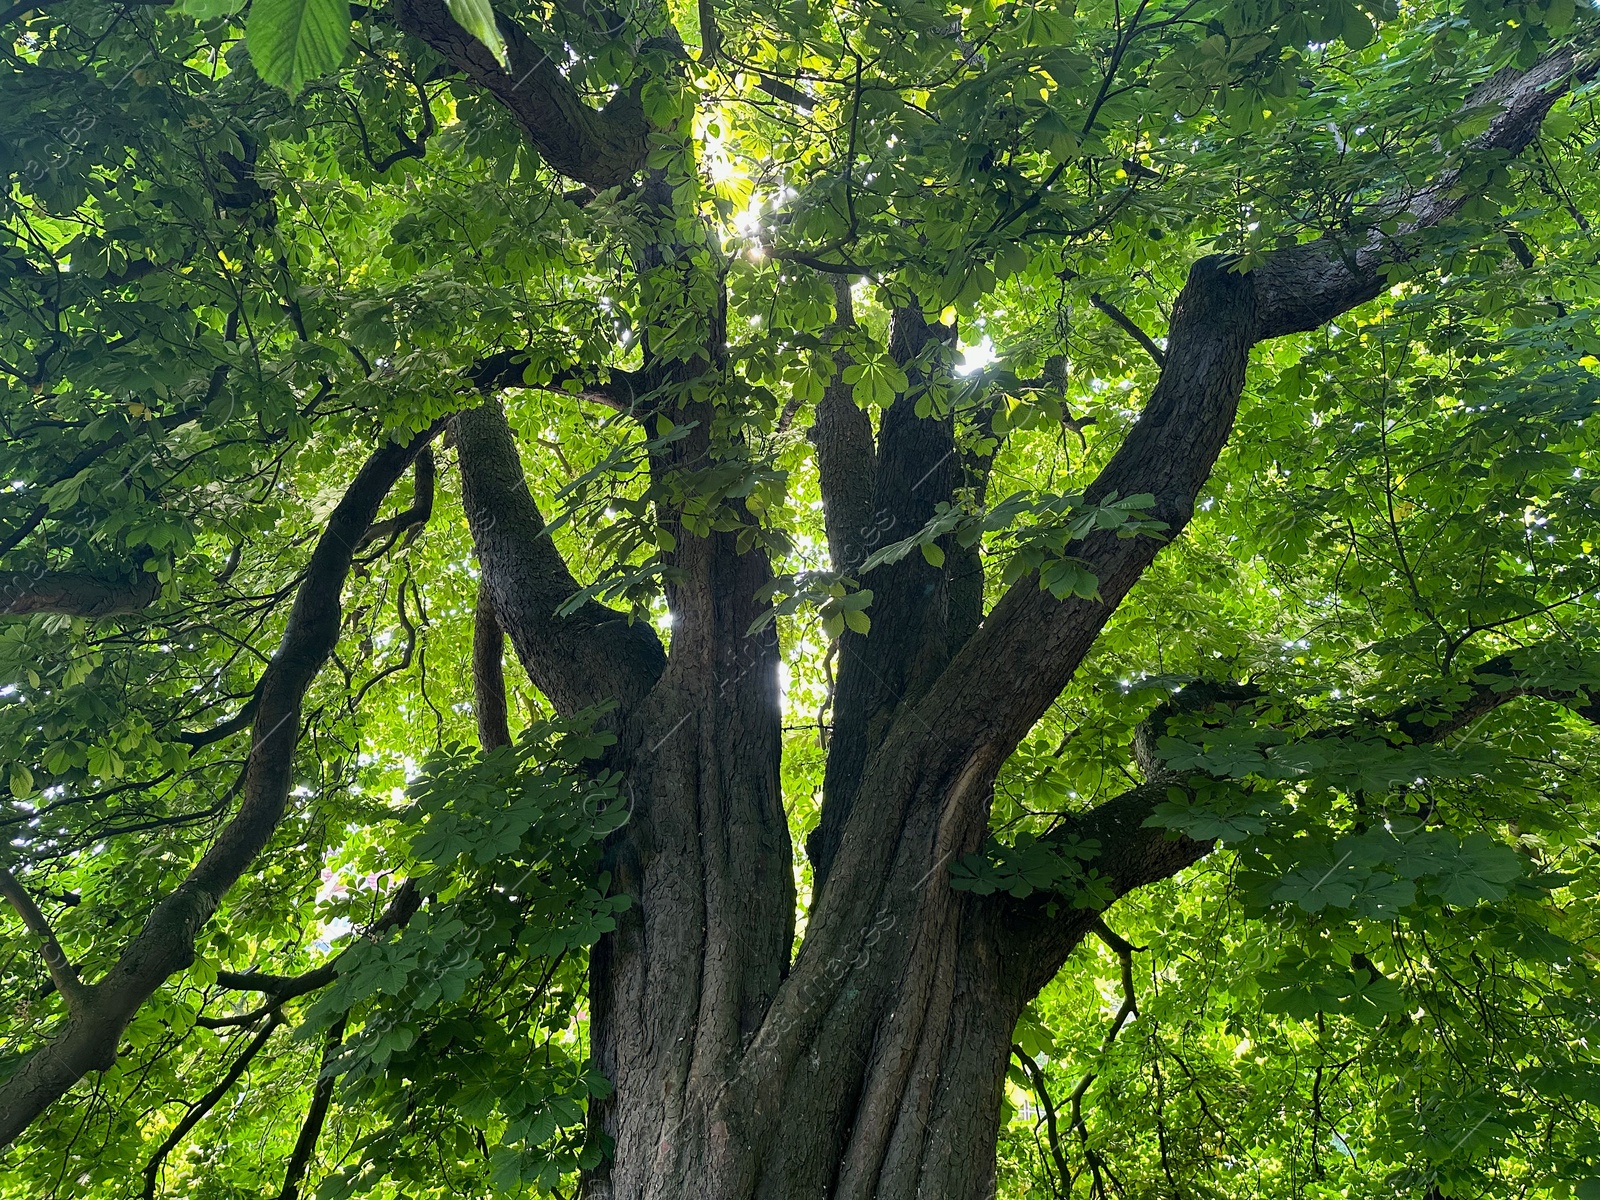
62	972
1031	644
87	1041
1304	287
623	391
592	655
600	147
841	435
1494	682
23	593
1131	856
489	675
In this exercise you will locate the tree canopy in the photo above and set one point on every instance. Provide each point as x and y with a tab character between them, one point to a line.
1079	518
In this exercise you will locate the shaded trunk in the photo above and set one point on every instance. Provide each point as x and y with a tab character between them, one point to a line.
877	1072
871	1067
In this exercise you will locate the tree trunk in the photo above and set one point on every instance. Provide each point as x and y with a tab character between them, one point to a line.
871	1066
880	1074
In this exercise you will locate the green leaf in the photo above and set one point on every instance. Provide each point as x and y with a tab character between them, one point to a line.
1356	28
207	10
293	41
477	18
1479	872
1558	15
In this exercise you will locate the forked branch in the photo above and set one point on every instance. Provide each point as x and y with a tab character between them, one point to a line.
88	1039
579	660
1123	949
410	522
1031	643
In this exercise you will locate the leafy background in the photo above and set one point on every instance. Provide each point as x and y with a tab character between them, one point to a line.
241	243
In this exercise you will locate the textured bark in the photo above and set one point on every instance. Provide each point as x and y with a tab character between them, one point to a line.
591	656
910	641
23	593
694	965
847	459
601	147
489	675
871	1067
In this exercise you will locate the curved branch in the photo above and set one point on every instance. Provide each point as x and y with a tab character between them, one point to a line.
623	391
88	1040
1303	287
62	972
1041	1089
592	655
1123	949
1494	682
414	518
1040	932
1133	855
1031	644
602	147
402	906
223	729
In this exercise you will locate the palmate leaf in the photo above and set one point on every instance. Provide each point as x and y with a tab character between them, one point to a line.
1480	871
1370	893
1222	815
477	18
293	41
1301	989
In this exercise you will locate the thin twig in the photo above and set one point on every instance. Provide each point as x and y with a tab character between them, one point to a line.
206	1103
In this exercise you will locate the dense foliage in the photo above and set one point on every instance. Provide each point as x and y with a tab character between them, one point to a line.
242	245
